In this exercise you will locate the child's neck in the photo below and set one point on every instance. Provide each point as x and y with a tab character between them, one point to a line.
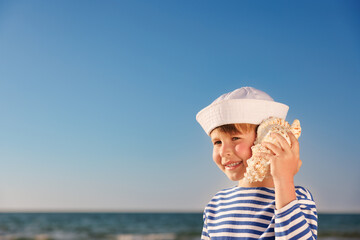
267	182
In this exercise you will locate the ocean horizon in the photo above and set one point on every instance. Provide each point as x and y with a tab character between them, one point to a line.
78	225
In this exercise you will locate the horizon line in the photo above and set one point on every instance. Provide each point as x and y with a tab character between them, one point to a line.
150	211
71	210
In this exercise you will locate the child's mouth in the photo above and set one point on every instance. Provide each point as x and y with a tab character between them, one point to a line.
232	166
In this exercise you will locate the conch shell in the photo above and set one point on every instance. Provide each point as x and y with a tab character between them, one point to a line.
259	168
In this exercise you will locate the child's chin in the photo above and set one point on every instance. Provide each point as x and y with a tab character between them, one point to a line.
236	177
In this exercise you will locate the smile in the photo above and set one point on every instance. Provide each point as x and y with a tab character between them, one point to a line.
232	165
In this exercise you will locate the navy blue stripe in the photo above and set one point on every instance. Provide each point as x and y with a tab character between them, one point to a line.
264	217
287	222
237	189
296	216
250	223
270	210
300	235
233	238
298	192
267	238
309	216
291	229
290	210
307	193
307	206
233	230
259	195
239	201
313	227
205	234
241	238
269	230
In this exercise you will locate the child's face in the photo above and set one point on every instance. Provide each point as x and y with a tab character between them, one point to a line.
231	150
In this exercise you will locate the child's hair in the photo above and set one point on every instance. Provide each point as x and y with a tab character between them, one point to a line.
237	128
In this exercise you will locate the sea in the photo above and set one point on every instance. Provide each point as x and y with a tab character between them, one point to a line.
139	226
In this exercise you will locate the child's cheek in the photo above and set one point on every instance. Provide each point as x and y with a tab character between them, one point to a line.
239	148
215	156
243	149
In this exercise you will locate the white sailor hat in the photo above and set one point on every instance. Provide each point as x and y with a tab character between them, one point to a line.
243	105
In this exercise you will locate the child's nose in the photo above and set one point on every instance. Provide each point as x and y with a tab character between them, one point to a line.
226	150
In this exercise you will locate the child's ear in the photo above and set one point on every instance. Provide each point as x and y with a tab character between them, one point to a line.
255	134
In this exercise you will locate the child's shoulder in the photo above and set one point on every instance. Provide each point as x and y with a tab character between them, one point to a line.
235	191
303	193
224	193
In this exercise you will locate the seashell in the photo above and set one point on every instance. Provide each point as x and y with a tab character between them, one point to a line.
258	167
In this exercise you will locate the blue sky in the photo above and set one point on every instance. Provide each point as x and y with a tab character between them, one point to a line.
98	98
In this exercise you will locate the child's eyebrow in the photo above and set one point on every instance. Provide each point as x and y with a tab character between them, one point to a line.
236	133
215	137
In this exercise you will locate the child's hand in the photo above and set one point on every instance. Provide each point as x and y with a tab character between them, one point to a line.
284	160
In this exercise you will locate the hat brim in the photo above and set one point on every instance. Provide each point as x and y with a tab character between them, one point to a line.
232	111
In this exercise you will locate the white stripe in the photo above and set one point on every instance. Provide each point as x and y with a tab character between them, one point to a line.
232	226
268	234
287	217
305	209
241	198
282	238
240	219
308	235
306	202
301	190
244	192
293	223
297	231
241	205
255	213
230	234
205	237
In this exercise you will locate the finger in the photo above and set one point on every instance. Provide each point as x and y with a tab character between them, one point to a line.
272	147
294	141
267	156
282	141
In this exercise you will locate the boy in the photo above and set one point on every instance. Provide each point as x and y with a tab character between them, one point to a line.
271	209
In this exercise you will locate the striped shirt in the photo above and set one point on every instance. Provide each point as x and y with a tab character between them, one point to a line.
249	213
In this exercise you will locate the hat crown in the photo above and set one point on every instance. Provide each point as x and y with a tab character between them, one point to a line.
243	105
244	93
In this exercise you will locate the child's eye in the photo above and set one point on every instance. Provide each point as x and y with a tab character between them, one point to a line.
235	138
217	142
